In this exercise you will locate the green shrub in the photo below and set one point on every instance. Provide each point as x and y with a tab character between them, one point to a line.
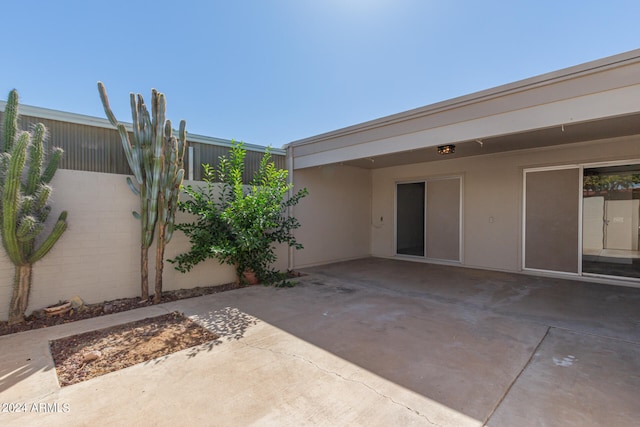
240	224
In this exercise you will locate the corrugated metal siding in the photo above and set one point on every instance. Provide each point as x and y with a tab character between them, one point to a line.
210	154
97	149
86	148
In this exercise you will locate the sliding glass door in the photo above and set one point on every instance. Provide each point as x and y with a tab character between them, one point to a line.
428	219
551	220
583	220
443	219
410	198
611	221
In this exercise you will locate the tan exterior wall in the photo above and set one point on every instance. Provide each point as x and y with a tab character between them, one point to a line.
98	256
336	215
492	188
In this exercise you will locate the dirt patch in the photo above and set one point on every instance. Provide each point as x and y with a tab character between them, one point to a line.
39	319
81	357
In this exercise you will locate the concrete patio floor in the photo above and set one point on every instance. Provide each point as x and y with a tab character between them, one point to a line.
371	342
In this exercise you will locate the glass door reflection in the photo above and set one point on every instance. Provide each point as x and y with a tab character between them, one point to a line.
611	221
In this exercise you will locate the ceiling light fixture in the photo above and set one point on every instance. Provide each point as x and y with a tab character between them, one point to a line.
446	149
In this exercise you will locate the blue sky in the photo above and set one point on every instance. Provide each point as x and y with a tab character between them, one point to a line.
273	71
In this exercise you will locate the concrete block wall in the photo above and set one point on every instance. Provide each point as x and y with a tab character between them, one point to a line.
98	257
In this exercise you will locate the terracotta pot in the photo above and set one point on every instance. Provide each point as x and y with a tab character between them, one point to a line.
250	277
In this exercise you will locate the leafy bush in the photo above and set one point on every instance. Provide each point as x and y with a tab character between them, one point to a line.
240	224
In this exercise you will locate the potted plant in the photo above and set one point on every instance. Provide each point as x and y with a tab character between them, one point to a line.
240	224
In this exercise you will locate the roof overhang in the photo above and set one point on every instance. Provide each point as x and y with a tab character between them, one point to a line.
596	100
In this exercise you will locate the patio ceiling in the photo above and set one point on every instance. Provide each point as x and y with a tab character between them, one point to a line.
558	135
588	102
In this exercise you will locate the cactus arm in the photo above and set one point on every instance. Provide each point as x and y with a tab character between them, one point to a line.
170	228
159	119
137	105
10	127
173	204
132	187
11	199
153	200
56	233
52	165
182	142
41	197
154	109
130	151
143	214
105	104
26	206
43	214
149	225
155	161
167	130
178	182
135	115
28	229
135	150
145	132
36	153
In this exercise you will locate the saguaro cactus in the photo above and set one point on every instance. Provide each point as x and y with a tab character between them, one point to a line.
155	157
24	202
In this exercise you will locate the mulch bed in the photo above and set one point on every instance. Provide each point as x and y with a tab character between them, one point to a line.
38	319
84	356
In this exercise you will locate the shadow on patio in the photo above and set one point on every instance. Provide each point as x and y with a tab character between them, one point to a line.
500	348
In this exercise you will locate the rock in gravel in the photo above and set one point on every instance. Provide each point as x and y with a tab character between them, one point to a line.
91	355
77	303
107	308
39	314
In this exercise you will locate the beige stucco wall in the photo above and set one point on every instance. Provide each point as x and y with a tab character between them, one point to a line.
492	188
98	256
336	215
